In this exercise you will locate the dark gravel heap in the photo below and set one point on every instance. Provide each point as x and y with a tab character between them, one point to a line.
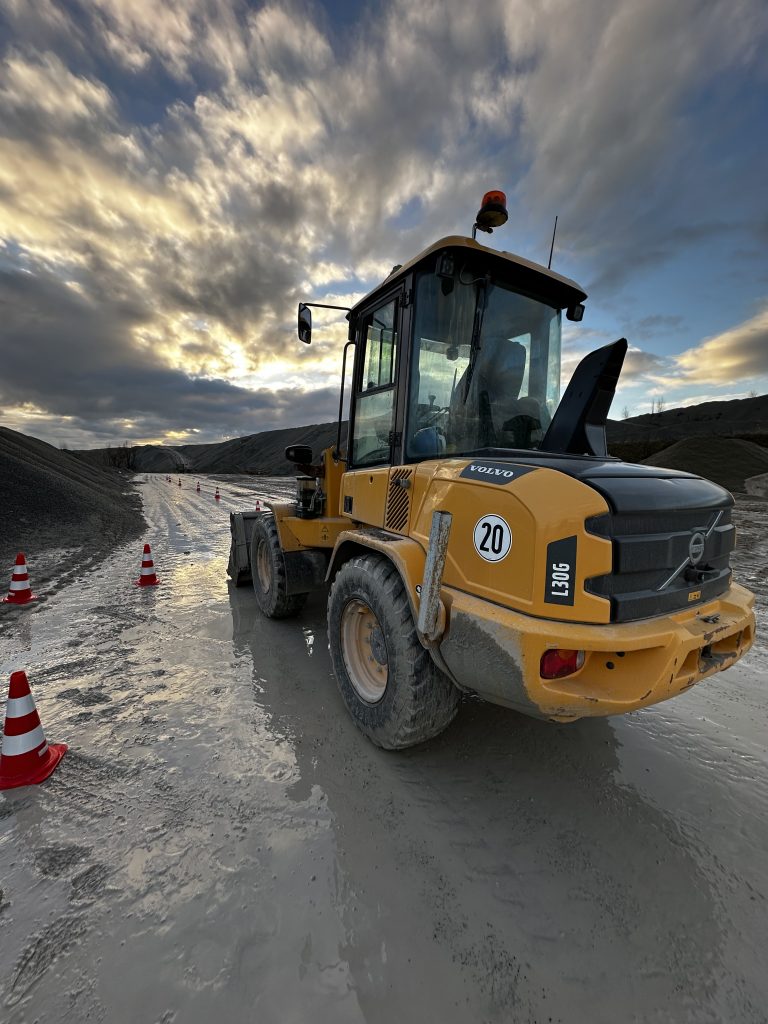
51	500
728	461
261	454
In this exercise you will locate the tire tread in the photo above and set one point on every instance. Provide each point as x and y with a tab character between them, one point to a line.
422	701
275	603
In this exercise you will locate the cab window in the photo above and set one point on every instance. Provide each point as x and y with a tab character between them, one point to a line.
375	397
499	390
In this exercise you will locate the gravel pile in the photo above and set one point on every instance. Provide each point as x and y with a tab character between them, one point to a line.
261	454
726	460
736	417
62	512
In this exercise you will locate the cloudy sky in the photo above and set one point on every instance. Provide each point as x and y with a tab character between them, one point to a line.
176	175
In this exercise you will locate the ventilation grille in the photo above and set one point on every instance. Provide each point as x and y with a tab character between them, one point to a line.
652	574
398	500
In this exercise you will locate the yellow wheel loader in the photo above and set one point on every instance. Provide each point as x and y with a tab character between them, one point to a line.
475	533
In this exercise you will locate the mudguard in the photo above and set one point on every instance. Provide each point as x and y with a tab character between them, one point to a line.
407	555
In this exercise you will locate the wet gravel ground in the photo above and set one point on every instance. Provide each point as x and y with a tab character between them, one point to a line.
220	842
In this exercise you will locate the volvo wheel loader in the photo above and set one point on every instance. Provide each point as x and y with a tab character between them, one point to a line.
473	531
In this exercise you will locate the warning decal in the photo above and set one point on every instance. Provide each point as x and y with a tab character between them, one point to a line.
492	538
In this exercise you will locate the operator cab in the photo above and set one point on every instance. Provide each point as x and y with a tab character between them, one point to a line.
456	352
484	354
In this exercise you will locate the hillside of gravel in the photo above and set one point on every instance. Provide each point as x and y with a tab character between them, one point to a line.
262	454
62	512
727	461
639	437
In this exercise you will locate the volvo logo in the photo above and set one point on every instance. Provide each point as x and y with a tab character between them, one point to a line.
696	548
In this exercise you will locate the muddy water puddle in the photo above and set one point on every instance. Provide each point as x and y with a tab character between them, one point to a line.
220	839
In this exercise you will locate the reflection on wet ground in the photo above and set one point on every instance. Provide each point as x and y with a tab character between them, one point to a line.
220	839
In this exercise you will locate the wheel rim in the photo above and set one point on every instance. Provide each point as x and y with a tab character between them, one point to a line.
263	567
364	650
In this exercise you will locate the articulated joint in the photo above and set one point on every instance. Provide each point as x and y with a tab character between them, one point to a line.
430	624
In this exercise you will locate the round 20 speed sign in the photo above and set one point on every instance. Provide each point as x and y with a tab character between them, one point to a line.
493	538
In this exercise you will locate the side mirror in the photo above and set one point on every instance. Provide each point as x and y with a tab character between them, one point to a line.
305	323
575	313
299	454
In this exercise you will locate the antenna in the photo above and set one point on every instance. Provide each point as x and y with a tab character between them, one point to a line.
552	247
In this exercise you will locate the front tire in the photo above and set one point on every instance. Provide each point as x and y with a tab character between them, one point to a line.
268	572
390	685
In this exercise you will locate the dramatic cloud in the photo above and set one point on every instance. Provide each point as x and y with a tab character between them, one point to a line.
175	177
639	364
737	355
60	344
656	324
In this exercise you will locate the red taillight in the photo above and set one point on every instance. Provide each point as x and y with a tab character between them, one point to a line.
558	663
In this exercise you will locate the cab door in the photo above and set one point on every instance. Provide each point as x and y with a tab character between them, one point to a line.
375	440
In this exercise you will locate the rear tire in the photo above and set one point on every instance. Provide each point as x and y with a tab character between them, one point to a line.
268	572
390	685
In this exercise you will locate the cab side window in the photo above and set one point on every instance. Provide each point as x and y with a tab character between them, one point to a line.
375	398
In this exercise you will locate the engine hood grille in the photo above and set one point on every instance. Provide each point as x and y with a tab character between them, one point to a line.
664	562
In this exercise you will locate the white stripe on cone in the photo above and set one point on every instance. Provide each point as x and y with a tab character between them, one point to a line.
17	707
14	745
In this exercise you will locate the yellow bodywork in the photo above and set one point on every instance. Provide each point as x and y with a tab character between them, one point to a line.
495	620
626	666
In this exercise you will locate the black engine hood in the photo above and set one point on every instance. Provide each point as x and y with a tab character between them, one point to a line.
627	488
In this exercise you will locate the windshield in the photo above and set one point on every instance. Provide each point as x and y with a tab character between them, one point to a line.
485	370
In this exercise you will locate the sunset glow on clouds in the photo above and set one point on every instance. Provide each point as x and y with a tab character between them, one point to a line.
175	177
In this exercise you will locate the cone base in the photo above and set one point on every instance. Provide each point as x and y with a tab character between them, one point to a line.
140	582
55	753
25	600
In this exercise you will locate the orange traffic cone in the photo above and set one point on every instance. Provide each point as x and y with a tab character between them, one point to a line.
26	758
20	591
217	496
148	577
258	505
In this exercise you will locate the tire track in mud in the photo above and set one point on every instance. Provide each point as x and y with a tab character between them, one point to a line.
43	950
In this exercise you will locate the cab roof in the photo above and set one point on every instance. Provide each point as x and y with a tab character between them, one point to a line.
563	290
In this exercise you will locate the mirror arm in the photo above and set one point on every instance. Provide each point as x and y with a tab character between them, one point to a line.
307	324
324	305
